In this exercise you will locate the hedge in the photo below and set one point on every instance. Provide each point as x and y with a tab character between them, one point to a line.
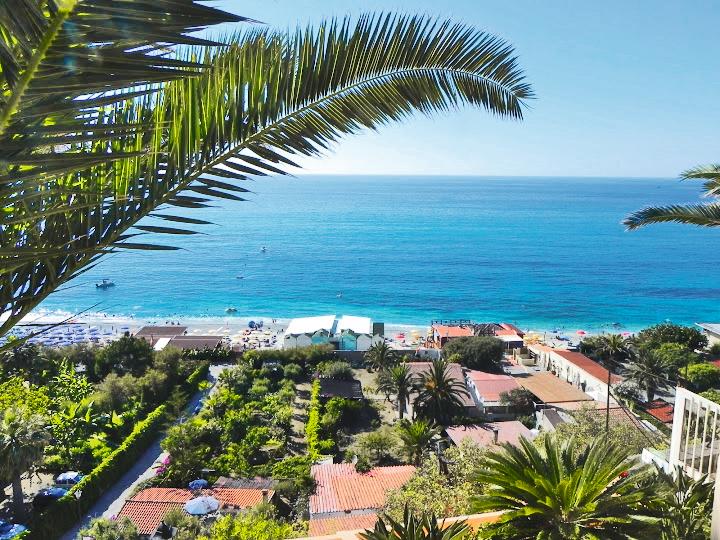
196	377
312	428
62	515
67	511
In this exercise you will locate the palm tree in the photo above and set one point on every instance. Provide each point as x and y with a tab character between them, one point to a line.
23	438
414	528
397	381
440	394
262	99
563	490
416	437
381	356
702	215
648	372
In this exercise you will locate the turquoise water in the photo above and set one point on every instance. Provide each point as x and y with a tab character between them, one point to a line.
540	252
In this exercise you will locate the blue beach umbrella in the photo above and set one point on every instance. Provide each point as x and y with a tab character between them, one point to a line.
198	484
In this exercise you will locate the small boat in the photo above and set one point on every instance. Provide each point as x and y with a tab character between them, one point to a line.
338	295
239	277
264	249
231	310
105	284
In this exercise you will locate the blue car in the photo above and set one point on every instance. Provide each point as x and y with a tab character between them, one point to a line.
10	530
68	479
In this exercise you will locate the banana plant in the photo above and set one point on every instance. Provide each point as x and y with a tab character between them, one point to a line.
266	98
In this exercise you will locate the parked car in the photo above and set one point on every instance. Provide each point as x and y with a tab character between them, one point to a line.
10	530
68	479
45	497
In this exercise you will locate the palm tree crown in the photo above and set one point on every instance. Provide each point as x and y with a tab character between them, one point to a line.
648	371
23	438
425	527
397	381
381	356
440	394
416	437
562	491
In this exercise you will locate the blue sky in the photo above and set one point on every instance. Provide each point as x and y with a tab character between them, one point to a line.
623	89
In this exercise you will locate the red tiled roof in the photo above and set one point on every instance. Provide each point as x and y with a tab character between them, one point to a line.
588	366
323	526
661	410
512	329
146	515
508	432
340	488
455	372
452	331
491	385
147	507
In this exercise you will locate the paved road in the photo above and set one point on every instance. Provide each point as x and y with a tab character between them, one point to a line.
113	499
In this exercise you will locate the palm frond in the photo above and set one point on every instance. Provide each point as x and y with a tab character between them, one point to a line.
702	215
65	64
266	98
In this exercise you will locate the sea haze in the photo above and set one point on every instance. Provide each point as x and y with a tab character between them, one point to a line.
540	252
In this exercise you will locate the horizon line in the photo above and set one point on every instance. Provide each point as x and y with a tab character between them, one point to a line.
432	175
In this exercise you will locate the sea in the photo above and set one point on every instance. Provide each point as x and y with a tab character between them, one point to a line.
543	253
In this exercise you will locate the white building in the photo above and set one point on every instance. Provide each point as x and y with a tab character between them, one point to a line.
712	331
345	333
575	368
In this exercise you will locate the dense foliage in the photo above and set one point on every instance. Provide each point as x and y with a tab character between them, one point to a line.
483	353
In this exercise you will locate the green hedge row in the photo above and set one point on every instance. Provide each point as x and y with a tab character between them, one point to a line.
312	428
66	512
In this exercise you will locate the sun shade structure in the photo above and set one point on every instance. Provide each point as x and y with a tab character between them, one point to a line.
201	506
549	389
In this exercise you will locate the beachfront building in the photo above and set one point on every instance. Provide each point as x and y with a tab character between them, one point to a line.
712	331
486	388
490	434
575	368
153	334
442	331
345	333
345	499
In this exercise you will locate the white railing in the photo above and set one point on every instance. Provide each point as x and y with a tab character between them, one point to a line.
695	443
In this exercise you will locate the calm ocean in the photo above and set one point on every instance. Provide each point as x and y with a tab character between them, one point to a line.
540	252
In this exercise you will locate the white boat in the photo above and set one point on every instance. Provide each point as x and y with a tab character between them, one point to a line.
105	284
231	310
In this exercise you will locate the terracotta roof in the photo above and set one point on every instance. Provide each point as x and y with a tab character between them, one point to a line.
340	488
549	389
245	483
512	328
483	435
661	410
452	331
322	526
589	366
491	385
456	372
146	515
147	507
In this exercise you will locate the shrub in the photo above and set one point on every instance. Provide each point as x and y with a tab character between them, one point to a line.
484	353
714	349
703	376
337	370
126	355
656	335
339	412
712	395
520	400
292	371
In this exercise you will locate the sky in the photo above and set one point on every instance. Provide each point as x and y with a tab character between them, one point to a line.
624	89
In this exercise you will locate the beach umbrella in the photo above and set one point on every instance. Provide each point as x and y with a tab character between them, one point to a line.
200	506
198	484
626	334
581	332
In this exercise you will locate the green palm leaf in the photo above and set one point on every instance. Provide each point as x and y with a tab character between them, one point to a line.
266	98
